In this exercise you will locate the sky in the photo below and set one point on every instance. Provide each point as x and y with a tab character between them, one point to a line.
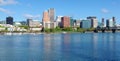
78	9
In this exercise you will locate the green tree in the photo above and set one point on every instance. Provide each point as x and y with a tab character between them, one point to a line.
57	29
68	29
80	29
46	30
24	26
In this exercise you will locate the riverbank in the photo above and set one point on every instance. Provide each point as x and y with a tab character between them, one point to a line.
35	33
22	33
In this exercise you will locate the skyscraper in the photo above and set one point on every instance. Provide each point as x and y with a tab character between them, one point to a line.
51	12
71	21
46	17
109	23
28	21
114	22
85	24
58	20
9	20
94	21
102	22
65	21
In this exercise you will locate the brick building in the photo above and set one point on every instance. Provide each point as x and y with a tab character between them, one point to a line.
65	21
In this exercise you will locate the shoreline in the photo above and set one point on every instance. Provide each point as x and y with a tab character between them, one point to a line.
35	33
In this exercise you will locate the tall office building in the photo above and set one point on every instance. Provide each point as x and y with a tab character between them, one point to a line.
71	22
65	21
113	18
77	23
94	21
28	21
58	21
109	23
86	24
51	12
102	24
9	20
59	18
46	17
114	22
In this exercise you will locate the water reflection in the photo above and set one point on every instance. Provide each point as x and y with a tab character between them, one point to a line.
61	47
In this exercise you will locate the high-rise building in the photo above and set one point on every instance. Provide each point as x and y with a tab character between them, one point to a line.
114	22
85	24
65	21
94	21
77	23
59	18
51	12
113	18
58	21
28	21
71	22
9	20
46	17
103	21
109	23
102	24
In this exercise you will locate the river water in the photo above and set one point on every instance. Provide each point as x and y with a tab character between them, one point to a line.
60	47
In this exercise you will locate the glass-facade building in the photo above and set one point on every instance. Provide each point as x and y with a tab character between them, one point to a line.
86	24
9	20
71	22
109	23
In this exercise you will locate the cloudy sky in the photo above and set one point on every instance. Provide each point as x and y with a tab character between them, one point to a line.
22	9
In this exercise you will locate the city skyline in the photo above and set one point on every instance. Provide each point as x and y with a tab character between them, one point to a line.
78	9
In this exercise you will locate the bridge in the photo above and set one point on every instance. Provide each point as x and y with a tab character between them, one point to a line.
106	29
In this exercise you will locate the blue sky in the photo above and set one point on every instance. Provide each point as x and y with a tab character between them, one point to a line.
22	9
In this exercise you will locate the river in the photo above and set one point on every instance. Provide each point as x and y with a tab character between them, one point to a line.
60	47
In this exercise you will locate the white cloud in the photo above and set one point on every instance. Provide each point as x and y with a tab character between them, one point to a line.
5	11
31	16
105	10
7	2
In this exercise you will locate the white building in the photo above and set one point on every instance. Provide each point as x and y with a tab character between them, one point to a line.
94	21
17	24
109	23
49	25
33	23
77	23
58	21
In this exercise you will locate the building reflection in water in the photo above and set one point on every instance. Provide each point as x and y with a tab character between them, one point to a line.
105	49
5	51
95	45
35	47
66	38
111	46
52	47
61	47
66	49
